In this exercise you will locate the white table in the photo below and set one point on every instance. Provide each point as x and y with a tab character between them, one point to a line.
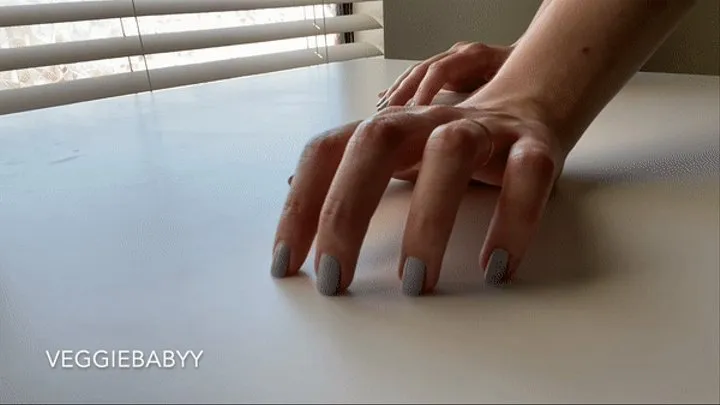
146	222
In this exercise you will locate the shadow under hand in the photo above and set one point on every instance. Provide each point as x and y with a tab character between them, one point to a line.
563	253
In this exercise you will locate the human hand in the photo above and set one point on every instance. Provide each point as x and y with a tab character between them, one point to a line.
343	173
464	68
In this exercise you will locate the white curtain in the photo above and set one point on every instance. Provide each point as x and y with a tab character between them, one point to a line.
55	52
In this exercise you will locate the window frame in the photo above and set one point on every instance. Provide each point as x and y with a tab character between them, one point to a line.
346	9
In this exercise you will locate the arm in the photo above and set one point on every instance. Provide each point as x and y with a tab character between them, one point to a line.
576	57
464	68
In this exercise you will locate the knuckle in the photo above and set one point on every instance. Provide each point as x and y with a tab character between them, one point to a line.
419	70
318	148
440	112
381	131
393	109
476	48
460	44
335	211
294	207
377	124
437	69
459	137
536	158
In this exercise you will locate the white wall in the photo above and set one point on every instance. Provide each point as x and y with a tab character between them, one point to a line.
417	29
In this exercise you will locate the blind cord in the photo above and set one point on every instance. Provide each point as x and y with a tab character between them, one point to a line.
124	34
324	29
142	45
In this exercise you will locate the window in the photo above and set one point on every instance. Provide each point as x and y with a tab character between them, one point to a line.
59	51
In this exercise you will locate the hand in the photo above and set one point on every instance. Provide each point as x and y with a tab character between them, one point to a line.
464	68
343	173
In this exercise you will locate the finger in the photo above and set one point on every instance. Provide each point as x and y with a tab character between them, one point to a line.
382	103
460	45
309	186
352	126
529	176
451	154
378	148
407	88
438	74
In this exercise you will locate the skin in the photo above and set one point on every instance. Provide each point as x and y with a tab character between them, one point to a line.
464	68
515	132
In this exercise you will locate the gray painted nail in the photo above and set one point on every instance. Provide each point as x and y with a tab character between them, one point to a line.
384	104
413	276
290	179
281	261
497	268
382	100
328	275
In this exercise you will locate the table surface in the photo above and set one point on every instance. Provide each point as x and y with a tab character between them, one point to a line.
146	223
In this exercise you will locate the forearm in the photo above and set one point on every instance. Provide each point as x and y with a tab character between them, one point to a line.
578	54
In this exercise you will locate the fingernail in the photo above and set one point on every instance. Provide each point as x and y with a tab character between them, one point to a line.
413	276
290	179
281	261
384	104
328	275
382	100
497	267
412	103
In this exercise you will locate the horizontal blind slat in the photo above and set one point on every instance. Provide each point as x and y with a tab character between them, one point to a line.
49	95
108	48
227	69
99	10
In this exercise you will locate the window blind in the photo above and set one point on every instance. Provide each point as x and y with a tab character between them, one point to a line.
50	55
